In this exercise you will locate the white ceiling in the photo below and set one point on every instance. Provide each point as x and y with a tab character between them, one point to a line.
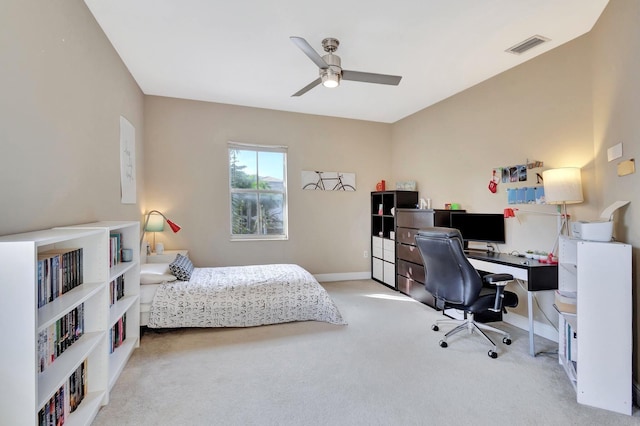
239	52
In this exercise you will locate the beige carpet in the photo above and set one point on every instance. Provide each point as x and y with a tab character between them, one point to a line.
384	368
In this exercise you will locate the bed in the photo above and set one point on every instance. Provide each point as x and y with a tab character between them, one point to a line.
232	296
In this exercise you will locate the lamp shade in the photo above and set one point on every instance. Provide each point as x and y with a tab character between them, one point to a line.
174	227
155	223
562	186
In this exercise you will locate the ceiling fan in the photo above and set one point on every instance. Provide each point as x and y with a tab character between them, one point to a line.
331	73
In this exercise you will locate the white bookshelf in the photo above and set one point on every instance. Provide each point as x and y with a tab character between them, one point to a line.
129	304
25	389
596	352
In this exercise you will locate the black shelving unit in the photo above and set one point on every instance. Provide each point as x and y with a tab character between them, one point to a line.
383	224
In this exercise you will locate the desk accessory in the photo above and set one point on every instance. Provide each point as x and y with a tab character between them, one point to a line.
600	230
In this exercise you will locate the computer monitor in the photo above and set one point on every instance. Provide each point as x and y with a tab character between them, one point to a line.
480	227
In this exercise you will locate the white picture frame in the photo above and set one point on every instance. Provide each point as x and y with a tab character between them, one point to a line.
127	162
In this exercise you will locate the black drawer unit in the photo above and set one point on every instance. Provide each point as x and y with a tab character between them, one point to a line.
410	253
411	273
415	290
410	269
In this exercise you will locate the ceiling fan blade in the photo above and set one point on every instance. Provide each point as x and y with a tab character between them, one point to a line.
308	50
368	77
308	87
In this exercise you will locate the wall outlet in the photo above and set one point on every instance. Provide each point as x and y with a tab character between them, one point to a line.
365	254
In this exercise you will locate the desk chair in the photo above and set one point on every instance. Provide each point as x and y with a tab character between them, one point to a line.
456	284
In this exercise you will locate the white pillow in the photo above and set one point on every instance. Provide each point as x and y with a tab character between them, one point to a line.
155	273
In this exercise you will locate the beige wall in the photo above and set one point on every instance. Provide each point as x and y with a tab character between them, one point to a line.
616	114
187	178
63	89
541	110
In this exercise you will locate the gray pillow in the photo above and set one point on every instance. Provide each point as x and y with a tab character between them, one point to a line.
181	267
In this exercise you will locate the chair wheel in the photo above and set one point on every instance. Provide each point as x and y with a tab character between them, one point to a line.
443	344
506	341
434	327
493	354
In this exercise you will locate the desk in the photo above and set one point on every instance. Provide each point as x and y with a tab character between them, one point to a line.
538	276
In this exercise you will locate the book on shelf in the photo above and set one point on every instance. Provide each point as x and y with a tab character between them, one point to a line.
58	272
115	246
66	399
58	337
77	386
116	290
572	343
118	333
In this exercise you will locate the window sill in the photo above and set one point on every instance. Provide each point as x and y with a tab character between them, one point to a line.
260	238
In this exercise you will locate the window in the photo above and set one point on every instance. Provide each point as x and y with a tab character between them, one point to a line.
258	192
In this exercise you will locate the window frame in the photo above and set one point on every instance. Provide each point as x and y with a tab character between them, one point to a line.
284	192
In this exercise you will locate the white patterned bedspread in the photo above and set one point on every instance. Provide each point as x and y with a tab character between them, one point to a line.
242	296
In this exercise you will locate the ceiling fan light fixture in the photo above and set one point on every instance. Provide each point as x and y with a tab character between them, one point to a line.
330	68
330	78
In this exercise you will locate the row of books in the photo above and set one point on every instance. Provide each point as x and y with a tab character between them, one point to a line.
58	272
116	290
118	333
54	340
66	399
571	342
115	246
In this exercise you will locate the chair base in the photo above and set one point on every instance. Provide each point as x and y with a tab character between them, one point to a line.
472	326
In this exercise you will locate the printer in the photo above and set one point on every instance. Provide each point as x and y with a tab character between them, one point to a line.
599	230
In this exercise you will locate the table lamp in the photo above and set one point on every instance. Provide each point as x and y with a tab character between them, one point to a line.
154	222
563	186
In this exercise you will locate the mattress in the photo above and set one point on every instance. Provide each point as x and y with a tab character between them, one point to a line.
241	296
147	292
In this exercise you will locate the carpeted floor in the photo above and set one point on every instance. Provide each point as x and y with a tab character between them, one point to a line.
384	368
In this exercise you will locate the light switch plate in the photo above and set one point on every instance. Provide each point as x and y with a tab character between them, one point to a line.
614	152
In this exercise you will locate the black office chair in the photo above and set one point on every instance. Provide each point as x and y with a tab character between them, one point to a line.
456	284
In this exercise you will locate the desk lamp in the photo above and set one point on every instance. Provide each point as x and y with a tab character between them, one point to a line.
154	222
563	186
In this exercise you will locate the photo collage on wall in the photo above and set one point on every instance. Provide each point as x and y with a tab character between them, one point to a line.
514	174
523	181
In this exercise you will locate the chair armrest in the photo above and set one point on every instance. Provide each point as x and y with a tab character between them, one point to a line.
500	281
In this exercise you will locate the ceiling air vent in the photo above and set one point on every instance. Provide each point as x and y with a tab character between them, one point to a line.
529	43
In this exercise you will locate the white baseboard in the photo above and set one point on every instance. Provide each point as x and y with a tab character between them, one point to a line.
344	276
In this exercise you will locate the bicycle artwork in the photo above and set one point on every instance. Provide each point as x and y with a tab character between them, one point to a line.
328	181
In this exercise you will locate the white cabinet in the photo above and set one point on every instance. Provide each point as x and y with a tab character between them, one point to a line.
389	250
595	345
389	275
377	269
383	266
57	326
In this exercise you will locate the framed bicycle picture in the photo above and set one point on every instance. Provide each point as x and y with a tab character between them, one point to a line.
328	181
